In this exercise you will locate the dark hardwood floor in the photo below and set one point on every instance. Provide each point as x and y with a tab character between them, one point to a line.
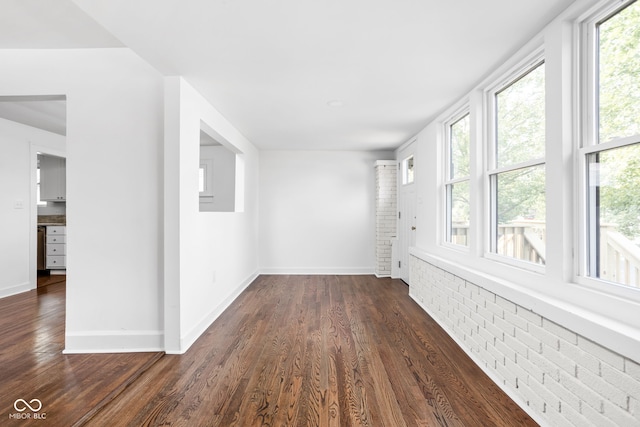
70	388
45	278
290	351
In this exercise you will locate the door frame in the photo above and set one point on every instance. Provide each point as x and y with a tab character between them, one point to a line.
406	219
34	150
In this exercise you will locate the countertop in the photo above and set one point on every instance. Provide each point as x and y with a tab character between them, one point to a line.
52	220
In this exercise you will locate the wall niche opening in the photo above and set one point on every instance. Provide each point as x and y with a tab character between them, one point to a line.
219	174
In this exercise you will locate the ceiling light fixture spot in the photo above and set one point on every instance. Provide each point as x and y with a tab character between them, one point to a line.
335	103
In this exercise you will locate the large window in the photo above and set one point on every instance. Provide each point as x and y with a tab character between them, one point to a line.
517	167
457	181
611	145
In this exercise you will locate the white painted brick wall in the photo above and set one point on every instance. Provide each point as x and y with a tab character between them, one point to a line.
386	190
563	378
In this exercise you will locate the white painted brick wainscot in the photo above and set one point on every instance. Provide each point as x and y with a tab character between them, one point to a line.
555	374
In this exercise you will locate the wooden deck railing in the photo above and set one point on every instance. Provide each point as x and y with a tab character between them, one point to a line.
525	240
460	234
619	258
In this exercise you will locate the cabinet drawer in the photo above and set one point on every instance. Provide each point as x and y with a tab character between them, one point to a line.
56	249
56	239
56	261
56	229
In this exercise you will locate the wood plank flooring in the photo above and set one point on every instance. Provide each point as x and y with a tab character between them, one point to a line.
45	278
71	388
290	351
317	351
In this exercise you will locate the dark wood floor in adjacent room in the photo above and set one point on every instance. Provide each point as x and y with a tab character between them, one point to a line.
290	351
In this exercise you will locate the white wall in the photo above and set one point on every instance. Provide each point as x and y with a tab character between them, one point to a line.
17	202
114	141
317	211
210	257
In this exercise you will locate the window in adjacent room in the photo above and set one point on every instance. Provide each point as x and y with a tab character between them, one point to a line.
202	179
39	201
611	146
457	180
517	167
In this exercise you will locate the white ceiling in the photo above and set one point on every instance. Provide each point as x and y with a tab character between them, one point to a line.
49	24
272	66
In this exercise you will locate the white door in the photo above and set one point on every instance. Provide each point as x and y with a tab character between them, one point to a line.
406	209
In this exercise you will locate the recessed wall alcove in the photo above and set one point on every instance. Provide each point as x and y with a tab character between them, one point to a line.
220	174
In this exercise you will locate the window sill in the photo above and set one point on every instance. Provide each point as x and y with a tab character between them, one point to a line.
602	326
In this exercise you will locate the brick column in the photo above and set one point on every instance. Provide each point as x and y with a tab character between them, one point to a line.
386	212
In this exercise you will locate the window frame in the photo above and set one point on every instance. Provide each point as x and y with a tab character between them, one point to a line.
587	142
405	168
39	202
449	181
206	166
492	170
599	312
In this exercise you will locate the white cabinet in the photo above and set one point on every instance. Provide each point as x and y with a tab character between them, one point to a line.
53	178
56	247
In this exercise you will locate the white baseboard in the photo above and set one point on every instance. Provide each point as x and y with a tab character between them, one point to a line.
187	341
113	342
340	271
14	290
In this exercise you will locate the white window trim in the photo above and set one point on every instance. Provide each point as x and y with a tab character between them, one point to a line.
515	73
586	113
605	314
586	79
458	115
207	194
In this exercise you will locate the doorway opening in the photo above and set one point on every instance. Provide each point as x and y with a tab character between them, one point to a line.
34	131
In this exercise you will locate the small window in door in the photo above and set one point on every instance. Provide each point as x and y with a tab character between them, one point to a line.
407	170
